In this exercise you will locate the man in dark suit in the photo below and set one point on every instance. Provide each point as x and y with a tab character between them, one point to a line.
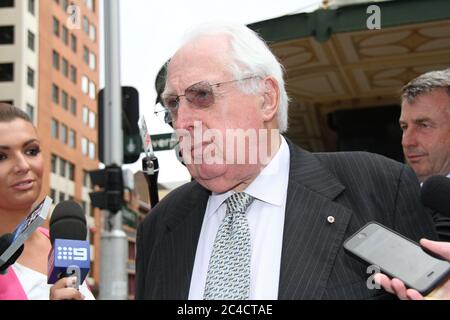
263	219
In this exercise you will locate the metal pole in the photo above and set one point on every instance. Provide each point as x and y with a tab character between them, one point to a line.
114	243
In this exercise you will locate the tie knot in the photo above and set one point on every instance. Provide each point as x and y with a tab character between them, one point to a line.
239	202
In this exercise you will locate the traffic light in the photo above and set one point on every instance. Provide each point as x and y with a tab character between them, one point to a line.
110	180
132	144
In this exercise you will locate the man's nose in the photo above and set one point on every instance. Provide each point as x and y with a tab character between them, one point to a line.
184	119
409	138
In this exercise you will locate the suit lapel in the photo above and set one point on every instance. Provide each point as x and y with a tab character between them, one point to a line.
310	241
180	242
311	237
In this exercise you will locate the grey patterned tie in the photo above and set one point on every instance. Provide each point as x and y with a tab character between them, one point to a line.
228	275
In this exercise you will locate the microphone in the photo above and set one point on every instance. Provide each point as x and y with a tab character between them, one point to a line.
12	244
5	242
435	194
70	254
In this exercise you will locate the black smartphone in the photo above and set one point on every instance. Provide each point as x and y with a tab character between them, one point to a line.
397	257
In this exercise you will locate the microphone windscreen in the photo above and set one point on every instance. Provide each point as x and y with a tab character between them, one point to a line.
5	241
68	222
435	194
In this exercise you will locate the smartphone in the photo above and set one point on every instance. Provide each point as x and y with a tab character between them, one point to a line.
397	257
26	228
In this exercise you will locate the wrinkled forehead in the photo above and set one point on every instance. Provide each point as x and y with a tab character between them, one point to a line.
206	58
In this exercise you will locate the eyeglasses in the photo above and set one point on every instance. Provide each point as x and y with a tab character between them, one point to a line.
200	95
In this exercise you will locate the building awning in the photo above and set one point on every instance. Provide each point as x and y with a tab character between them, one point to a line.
333	61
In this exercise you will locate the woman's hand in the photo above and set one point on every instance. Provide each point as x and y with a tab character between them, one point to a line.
63	290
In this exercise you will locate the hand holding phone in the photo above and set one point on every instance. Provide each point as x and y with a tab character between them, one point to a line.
397	287
398	257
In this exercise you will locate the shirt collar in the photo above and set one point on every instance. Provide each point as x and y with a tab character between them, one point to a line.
268	185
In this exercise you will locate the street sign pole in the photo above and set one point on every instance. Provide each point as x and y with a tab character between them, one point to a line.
114	244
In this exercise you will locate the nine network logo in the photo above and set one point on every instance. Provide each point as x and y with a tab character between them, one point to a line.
70	253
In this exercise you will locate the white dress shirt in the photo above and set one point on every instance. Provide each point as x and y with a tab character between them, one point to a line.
35	285
266	221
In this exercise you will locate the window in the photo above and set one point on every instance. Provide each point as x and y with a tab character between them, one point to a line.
73	43
90	4
54	129
85	54
84	206
86	179
65	67
72	139
92	33
6	72
91	120
62	167
73	106
84	146
64	133
92	150
85	25
7	35
31	40
71	174
64	100
6	3
92	61
30	112
65	35
55	93
84	84
31	7
85	115
55	27
54	162
73	74
65	4
53	194
92	90
30	77
55	60
62	196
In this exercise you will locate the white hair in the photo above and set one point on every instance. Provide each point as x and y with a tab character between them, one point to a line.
250	56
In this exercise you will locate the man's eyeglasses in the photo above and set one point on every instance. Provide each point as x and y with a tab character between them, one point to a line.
200	95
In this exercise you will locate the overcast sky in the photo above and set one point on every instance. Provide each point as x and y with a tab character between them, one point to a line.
151	31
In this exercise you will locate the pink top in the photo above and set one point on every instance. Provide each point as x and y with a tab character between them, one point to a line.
10	287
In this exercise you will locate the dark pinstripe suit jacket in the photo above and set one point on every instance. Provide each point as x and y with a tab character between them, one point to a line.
353	187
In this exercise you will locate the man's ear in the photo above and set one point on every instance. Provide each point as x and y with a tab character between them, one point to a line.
271	95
